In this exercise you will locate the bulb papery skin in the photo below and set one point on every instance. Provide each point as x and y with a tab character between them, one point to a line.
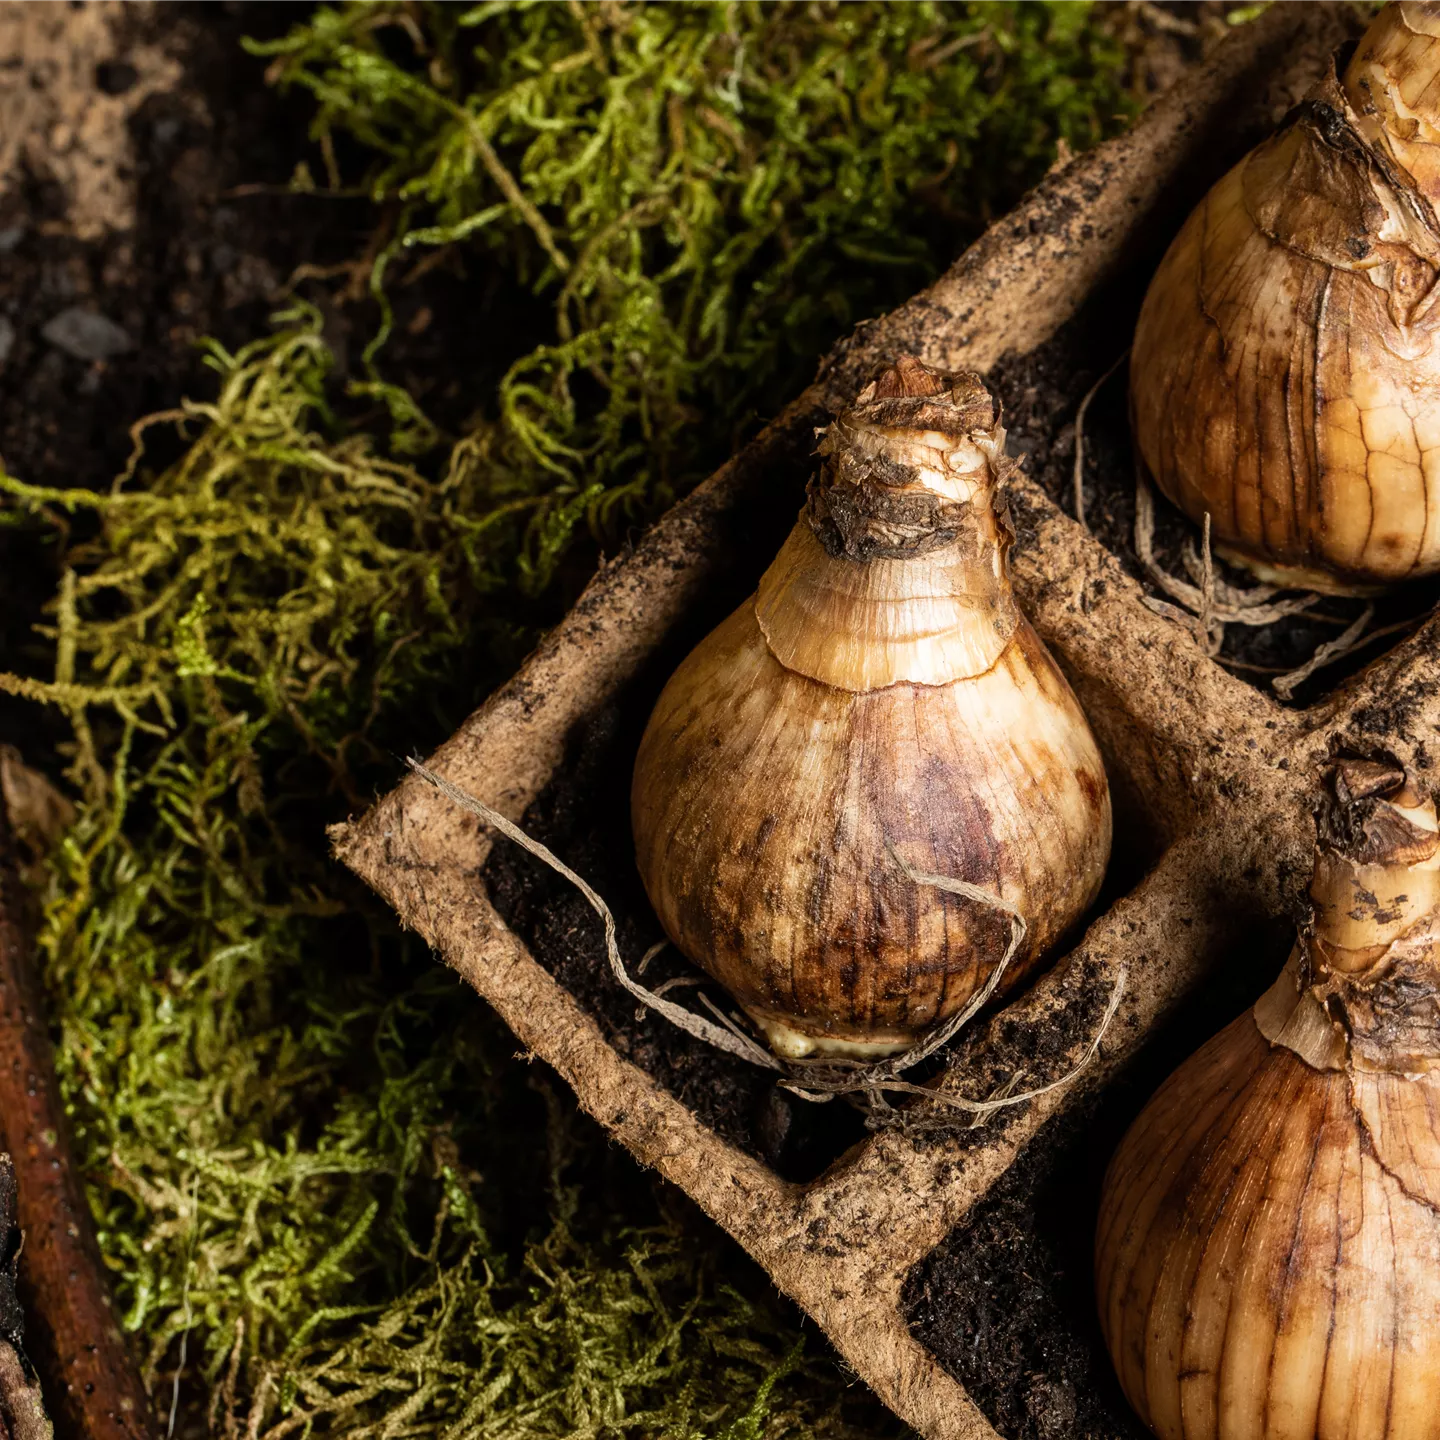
1285	375
1267	1258
1393	84
927	620
880	699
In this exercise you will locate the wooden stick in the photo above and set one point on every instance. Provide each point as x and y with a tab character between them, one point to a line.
90	1382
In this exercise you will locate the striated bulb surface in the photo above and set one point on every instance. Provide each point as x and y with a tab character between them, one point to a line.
1285	375
880	696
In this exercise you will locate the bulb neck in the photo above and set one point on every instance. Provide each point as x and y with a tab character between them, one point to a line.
898	569
1377	869
1388	84
1361	987
1352	180
912	467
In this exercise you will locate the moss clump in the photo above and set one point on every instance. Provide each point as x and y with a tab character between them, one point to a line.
316	1169
703	196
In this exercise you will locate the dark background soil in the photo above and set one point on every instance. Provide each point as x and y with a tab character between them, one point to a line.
217	244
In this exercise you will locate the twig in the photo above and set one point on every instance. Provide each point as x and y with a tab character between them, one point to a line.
90	1380
1079	476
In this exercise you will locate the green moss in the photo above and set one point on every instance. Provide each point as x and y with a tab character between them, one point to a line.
309	1156
711	194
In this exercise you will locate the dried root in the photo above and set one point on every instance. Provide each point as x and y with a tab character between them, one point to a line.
1211	604
863	1083
1206	604
1079	473
1356	637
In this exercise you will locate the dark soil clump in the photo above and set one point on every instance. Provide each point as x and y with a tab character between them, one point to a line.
1005	1304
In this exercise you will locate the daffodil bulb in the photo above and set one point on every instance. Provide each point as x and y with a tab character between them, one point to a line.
1268	1252
879	700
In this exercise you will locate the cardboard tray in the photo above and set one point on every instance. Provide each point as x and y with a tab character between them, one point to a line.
1213	779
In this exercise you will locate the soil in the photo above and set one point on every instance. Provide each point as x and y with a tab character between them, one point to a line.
1005	1302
